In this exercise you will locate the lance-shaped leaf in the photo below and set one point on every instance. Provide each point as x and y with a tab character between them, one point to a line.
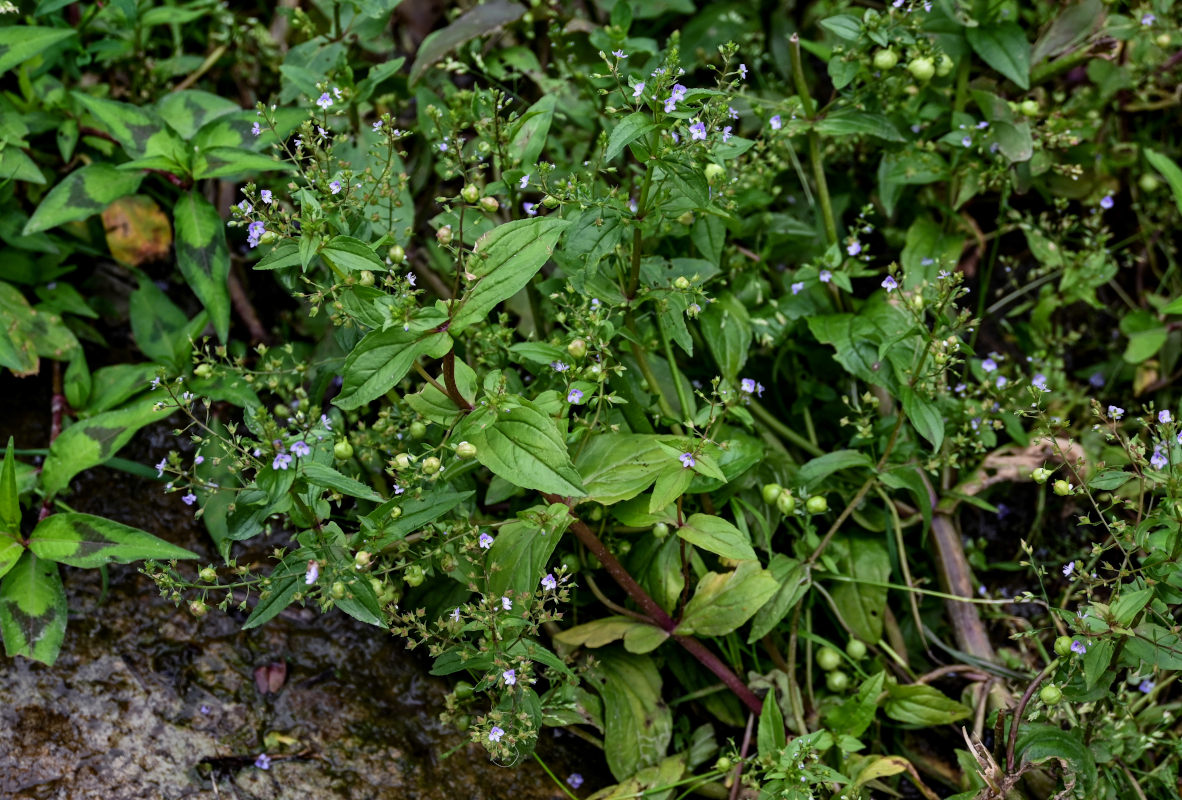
504	260
19	43
522	445
637	723
383	358
84	540
226	162
347	253
33	611
629	129
10	512
479	21
619	466
81	194
203	257
325	476
718	536
139	130
724	601
187	110
92	441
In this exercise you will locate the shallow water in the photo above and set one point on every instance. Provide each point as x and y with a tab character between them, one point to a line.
146	701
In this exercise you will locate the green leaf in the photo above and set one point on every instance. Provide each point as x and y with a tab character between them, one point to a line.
1171	172
1109	480
846	26
528	135
726	328
11	549
361	603
286	581
1129	604
1146	335
84	540
771	738
16	166
504	260
925	416
33	611
522	445
637	723
347	253
81	194
861	557
188	110
233	162
522	550
627	130
619	466
821	467
1068	28
479	21
325	476
1003	46
19	43
383	358
717	536
203	257
856	714
89	442
1038	744
724	601
851	122
1156	646
792	578
598	633
920	704
593	235
10	502
283	255
160	328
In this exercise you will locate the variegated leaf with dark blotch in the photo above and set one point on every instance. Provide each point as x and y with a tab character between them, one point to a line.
26	333
225	162
186	111
84	540
140	131
90	442
81	194
203	257
33	611
19	43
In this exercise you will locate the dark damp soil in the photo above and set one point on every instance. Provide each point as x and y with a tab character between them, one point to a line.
147	701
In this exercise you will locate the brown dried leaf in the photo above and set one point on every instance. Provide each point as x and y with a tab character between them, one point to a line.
138	231
1014	464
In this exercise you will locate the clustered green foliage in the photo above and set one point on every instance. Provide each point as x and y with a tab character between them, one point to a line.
651	362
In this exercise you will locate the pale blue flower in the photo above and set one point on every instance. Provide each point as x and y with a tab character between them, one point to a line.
687	460
1106	202
495	733
854	247
549	583
263	761
1158	459
254	233
301	449
506	603
1164	417
574	397
698	131
1116	412
524	182
797	287
619	54
989	365
574	780
255	129
325	100
266	196
1078	647
311	573
638	89
485	541
510	676
775	122
189	499
743	71
282	461
335	187
1146	686
889	283
825	276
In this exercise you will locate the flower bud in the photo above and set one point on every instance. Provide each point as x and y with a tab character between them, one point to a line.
577	348
396	254
431	465
470	193
1062	488
489	204
443	235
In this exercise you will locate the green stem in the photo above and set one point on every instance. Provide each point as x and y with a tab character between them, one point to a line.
782	430
637	240
681	396
809	108
1049	69
649	377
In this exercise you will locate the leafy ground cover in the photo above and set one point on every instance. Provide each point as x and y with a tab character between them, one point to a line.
779	395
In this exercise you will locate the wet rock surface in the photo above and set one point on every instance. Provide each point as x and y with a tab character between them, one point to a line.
147	701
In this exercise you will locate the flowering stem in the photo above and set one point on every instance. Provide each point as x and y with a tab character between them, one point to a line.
637	241
806	102
1013	740
681	396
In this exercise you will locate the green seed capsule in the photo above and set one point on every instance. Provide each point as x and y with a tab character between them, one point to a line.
470	193
922	69
413	575
837	681
771	491
1050	694
342	450
817	504
466	450
855	649
208	574
1063	646
885	59
431	465
828	659
786	503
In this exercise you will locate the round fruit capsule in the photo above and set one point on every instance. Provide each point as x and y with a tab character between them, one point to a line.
828	659
577	348
660	530
855	649
1063	646
885	58
786	503
922	69
470	193
431	465
342	449
1062	488
837	681
464	690
465	450
413	575
945	65
817	504
771	491
1050	694
417	430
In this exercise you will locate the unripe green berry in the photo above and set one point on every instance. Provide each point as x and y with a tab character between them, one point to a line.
198	608
470	193
417	430
443	235
208	574
817	504
1062	488
681	283
837	681
464	690
660	530
413	575
855	649
771	491
715	174
1148	182
203	370
489	204
577	348
885	59
786	503
1063	646
342	450
1050	694
396	254
550	201
1029	107
465	450
723	764
431	465
945	65
922	69
337	590
828	659
365	278
402	461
